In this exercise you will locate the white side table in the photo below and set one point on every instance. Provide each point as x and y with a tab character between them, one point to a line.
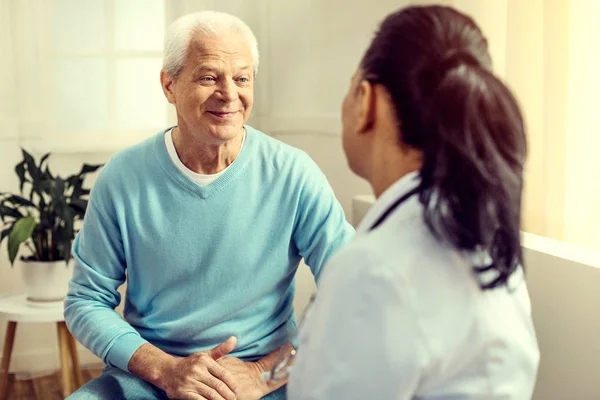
16	309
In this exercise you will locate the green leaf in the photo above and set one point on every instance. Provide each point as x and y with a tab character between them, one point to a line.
21	231
41	201
57	188
79	206
20	170
66	232
47	174
32	168
19	201
72	179
85	169
6	211
67	252
88	169
77	189
5	232
44	158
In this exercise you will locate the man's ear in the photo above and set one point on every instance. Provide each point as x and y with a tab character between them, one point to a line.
167	83
366	105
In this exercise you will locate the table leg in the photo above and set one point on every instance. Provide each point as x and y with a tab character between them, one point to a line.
75	361
65	372
11	328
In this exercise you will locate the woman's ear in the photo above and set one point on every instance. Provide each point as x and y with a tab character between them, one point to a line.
366	107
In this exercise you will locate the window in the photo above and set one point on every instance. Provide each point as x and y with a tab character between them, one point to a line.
99	60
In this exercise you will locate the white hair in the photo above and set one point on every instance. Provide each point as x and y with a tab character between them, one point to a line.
209	23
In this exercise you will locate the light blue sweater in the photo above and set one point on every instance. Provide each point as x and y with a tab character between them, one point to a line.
203	262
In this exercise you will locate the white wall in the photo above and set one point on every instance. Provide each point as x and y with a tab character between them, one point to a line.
565	301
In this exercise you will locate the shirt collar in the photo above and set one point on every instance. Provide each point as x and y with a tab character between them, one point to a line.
398	188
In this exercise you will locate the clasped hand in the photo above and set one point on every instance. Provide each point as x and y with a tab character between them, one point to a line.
209	375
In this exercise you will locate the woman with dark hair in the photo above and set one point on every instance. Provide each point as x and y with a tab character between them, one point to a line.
429	300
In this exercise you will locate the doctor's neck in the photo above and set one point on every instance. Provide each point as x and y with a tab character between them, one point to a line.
391	162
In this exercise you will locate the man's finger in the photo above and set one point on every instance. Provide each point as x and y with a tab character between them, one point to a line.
217	386
223	349
191	396
208	393
223	375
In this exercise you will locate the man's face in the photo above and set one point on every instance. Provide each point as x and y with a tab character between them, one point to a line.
214	92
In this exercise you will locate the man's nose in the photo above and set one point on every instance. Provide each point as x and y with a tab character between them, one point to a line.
227	90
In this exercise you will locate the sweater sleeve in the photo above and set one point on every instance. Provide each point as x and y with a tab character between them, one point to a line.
99	271
321	226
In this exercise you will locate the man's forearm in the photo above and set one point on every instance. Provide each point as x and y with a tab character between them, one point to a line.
149	363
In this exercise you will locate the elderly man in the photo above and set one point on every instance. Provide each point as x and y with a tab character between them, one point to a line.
208	221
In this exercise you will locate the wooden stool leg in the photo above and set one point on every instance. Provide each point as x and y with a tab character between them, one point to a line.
11	328
63	344
75	361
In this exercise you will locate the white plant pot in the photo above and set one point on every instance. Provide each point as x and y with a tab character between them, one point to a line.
46	281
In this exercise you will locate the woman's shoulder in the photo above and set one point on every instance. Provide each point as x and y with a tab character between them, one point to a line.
406	254
375	254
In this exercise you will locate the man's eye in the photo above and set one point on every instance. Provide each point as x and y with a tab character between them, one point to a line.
243	80
207	79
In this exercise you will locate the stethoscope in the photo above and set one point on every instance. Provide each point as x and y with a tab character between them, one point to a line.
393	207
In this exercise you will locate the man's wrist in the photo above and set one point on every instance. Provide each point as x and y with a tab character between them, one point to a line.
261	368
123	348
151	364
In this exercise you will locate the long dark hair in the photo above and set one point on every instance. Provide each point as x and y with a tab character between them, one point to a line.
435	64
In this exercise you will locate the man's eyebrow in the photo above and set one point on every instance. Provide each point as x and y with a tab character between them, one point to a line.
212	68
206	68
245	68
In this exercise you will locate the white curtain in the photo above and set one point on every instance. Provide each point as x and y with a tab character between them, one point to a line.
7	71
582	200
8	90
23	88
549	53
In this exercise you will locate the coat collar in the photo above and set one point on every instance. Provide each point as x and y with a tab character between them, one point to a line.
403	185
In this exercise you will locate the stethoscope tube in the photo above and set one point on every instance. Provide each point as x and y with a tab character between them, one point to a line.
393	207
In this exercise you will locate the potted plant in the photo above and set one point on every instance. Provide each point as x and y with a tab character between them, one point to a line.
41	220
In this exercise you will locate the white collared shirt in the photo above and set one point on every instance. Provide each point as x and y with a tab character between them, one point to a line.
399	316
